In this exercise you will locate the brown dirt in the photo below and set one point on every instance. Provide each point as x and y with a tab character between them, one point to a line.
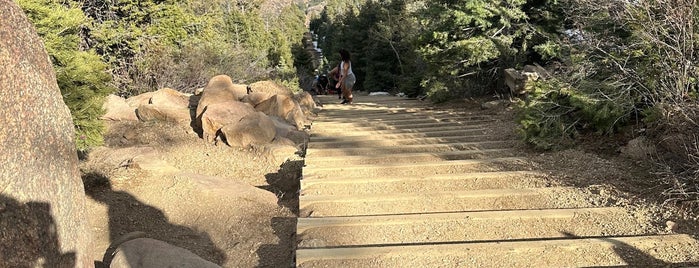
262	236
267	238
595	165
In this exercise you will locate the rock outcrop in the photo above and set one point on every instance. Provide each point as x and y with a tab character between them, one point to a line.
42	204
270	87
285	107
220	114
147	252
253	129
117	109
219	89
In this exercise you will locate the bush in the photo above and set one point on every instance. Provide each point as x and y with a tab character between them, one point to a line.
80	74
554	113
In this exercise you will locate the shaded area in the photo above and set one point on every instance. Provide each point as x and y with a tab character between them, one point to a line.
285	183
282	253
28	236
127	215
632	256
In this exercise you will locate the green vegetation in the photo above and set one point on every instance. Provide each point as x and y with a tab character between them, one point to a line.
616	66
129	47
81	75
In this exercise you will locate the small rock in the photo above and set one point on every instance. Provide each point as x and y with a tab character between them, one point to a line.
671	226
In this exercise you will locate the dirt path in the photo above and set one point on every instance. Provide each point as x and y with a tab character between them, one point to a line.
390	182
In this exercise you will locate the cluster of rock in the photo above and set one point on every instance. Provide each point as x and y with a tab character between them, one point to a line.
517	81
239	115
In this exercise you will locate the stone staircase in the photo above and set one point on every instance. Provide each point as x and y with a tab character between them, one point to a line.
389	182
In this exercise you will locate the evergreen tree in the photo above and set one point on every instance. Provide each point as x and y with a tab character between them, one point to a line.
80	74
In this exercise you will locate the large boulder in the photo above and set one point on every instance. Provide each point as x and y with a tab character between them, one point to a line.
253	129
140	99
167	97
42	202
116	109
220	114
270	87
255	98
219	89
152	112
288	131
306	101
185	210
285	107
147	252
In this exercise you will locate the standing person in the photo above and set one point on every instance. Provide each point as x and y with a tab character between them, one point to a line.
347	78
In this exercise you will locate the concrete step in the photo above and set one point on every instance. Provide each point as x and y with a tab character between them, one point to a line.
633	251
421	184
439	202
421	169
405	158
465	226
418	148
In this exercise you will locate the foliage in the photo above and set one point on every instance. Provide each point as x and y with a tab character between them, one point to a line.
80	74
134	46
455	47
555	112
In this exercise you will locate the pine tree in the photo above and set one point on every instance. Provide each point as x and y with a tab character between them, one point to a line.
81	75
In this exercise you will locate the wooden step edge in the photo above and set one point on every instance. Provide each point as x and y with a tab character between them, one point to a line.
309	181
311	170
392	137
406	128
310	151
399	131
304	224
432	123
404	136
457	249
321	159
488	193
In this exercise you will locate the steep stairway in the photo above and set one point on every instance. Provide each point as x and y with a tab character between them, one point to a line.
391	182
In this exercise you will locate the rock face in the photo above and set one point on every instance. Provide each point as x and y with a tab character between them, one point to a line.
284	107
219	89
253	129
220	114
270	87
306	101
152	112
170	97
255	98
42	205
117	109
146	252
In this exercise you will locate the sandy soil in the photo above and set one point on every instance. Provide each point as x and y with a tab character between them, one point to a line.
266	237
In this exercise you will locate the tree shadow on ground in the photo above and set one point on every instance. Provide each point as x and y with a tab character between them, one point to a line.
632	256
285	183
282	253
127	215
28	236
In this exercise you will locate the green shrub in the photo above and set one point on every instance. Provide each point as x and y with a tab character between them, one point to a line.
81	75
554	113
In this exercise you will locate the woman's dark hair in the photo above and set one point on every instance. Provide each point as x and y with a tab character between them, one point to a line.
345	55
